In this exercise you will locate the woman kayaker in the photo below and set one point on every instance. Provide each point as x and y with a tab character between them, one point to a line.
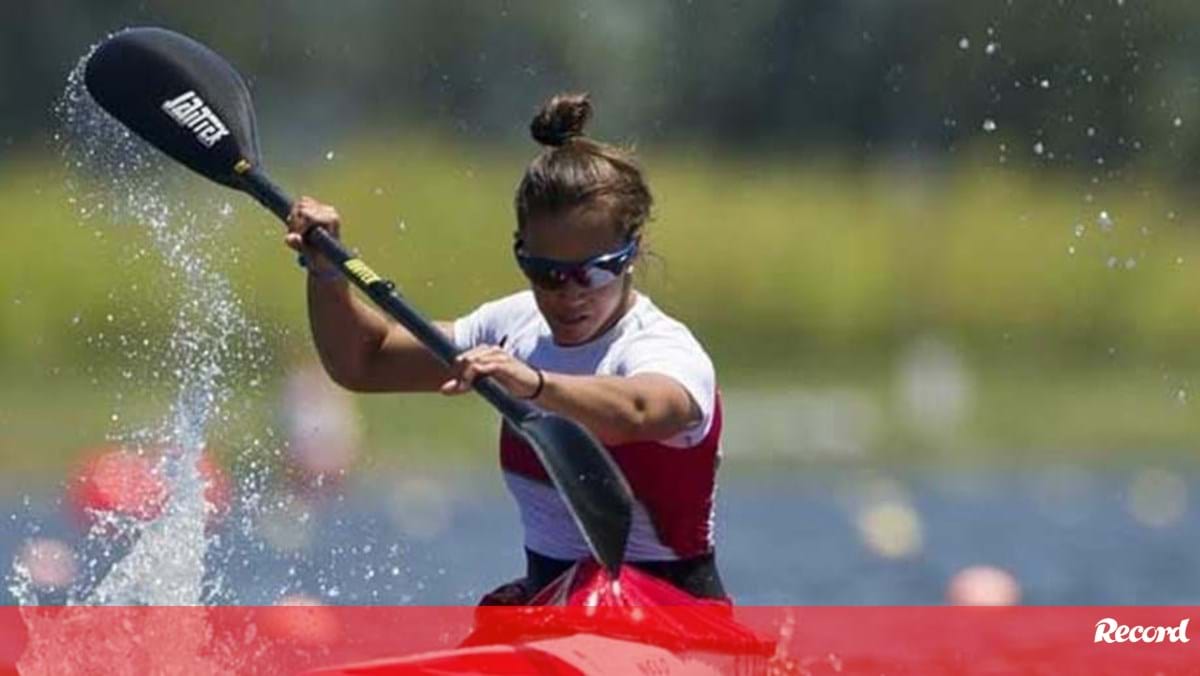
581	342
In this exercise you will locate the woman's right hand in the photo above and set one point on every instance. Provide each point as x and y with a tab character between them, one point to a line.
308	213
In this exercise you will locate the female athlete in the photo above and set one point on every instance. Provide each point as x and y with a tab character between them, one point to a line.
581	341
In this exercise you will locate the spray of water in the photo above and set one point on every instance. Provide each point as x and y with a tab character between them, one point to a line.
118	178
116	182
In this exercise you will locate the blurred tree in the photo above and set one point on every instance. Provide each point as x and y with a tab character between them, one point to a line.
1090	84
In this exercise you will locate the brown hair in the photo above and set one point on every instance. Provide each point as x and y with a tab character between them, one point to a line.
575	171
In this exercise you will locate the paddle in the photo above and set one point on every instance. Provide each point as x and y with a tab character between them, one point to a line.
188	102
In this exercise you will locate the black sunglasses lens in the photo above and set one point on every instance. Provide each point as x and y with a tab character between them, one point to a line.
545	277
552	276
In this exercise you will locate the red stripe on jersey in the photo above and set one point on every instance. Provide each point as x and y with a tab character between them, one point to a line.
675	485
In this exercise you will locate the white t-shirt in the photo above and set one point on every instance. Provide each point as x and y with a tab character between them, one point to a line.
645	340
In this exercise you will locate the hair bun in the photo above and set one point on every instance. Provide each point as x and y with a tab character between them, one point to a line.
561	118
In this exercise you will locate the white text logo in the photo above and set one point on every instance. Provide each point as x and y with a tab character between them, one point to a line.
190	112
1109	630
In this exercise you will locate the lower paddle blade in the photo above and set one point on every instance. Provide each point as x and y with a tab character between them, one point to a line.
588	479
180	96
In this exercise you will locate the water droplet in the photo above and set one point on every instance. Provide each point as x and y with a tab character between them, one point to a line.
1112	262
964	43
1178	122
1105	221
1071	250
329	155
1091	131
1130	264
991	48
1045	84
989	125
1080	229
1039	148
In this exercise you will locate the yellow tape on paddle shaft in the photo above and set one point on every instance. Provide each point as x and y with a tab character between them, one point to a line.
361	272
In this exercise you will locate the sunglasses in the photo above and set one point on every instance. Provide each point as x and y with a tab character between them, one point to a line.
593	273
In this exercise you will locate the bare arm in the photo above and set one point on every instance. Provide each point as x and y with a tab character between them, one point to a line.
616	409
364	351
359	347
620	410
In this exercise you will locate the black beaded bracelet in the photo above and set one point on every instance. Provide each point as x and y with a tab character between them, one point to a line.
541	384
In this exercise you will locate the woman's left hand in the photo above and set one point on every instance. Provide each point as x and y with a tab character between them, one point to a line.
516	376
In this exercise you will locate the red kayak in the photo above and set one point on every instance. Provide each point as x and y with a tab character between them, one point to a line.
583	623
587	623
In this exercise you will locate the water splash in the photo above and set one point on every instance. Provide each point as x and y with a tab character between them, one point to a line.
115	174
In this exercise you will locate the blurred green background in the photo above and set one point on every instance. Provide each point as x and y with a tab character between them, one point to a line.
924	232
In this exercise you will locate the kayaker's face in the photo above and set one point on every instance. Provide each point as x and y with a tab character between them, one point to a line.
577	312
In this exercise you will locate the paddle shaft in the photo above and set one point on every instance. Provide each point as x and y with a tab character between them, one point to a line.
599	499
383	293
187	101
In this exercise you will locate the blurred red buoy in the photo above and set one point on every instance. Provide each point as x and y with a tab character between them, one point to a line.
983	586
49	563
301	619
112	480
125	483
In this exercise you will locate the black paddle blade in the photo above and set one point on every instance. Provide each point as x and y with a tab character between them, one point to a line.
180	96
586	476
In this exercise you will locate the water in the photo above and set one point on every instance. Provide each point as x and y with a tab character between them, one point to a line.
119	182
1068	536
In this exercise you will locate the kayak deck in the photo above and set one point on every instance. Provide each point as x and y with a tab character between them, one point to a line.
588	623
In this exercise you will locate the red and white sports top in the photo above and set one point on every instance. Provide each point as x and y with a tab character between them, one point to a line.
673	481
